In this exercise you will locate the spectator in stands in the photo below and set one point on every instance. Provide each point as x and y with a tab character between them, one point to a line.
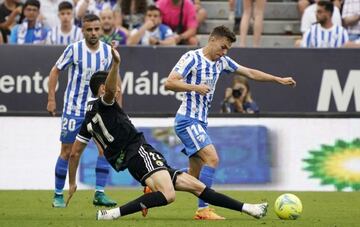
48	10
259	7
84	7
111	34
30	30
152	32
303	4
10	11
201	13
133	12
309	17
325	33
351	18
235	12
180	16
353	44
238	98
67	32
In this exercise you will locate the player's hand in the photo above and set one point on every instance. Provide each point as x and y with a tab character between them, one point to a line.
51	107
72	191
203	89
115	55
288	81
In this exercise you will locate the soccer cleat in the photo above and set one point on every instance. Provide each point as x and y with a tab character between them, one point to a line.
144	210
58	201
207	214
256	210
100	199
105	215
147	190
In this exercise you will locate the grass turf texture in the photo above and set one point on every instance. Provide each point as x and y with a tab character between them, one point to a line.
33	208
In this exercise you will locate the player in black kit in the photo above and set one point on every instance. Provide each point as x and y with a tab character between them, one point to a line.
125	147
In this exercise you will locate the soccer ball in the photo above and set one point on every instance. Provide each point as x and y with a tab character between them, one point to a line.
288	206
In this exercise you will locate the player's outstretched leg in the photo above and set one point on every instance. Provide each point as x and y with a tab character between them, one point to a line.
218	199
60	177
102	172
186	182
161	181
144	202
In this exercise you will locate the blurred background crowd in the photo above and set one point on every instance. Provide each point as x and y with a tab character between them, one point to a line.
277	23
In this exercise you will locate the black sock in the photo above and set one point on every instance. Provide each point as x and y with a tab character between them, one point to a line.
153	199
221	200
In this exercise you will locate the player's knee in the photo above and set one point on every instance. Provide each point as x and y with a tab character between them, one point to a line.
65	151
169	195
212	161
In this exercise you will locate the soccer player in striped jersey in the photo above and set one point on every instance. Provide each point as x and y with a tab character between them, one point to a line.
67	32
196	74
325	34
82	59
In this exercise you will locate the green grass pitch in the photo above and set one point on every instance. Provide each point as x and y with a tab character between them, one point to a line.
33	208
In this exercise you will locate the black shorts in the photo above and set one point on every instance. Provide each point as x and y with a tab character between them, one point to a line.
146	162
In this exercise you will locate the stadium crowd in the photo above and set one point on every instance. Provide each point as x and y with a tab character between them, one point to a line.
157	22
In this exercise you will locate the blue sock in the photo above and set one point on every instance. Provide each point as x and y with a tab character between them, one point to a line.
60	175
206	176
102	172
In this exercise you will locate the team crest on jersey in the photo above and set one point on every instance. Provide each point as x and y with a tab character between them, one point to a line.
159	163
181	63
218	65
104	61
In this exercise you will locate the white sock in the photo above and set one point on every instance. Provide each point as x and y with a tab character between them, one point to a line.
247	207
115	212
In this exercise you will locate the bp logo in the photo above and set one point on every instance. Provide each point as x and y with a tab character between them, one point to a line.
337	165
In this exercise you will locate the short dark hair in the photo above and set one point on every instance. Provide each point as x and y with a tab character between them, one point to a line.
65	5
97	79
90	18
35	3
223	31
152	8
329	6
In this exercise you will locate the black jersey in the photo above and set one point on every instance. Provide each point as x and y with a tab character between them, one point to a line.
112	129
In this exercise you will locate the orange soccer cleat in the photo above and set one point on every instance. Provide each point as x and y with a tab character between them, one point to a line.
207	214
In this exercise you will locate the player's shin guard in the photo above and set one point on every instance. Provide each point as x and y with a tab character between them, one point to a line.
206	176
146	201
61	168
221	200
102	172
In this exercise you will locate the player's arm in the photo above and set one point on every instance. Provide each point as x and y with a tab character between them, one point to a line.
262	76
175	82
112	81
53	79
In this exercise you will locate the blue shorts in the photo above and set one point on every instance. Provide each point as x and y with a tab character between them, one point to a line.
70	127
192	133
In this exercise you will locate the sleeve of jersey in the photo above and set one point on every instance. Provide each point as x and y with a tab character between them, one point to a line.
184	65
83	136
66	58
110	58
230	65
306	40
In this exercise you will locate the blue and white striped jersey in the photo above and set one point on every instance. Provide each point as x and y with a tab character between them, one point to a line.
195	68
57	37
319	37
82	63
